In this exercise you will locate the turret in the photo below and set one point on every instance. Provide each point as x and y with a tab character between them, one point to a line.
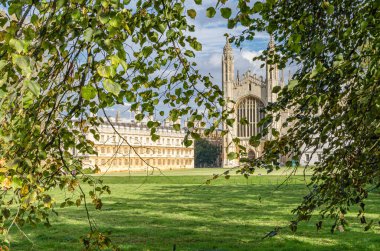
227	69
271	72
282	79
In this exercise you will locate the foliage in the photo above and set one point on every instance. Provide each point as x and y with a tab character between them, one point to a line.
334	96
61	62
206	153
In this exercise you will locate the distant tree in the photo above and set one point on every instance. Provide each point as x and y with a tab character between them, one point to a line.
206	154
334	95
62	62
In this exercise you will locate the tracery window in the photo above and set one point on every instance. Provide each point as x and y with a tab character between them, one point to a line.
249	109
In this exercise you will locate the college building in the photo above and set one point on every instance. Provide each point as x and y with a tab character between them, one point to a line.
132	147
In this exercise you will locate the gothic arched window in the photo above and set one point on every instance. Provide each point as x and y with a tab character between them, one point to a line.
249	109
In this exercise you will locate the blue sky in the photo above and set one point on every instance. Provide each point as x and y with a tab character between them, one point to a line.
210	32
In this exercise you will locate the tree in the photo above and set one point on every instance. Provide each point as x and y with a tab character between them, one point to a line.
334	95
206	154
62	62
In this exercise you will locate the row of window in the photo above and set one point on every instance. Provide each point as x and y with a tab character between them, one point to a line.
142	150
139	140
140	162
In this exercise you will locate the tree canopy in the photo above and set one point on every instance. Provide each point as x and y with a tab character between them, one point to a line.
207	153
334	96
61	63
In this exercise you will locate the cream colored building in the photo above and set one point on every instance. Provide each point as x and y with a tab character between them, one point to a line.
250	93
134	149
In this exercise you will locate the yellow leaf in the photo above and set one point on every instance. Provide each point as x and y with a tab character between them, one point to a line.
24	190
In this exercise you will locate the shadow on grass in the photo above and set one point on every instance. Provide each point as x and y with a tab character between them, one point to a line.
220	217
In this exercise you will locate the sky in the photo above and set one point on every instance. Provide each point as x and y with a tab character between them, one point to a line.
210	32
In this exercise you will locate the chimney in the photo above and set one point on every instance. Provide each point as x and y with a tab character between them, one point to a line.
150	117
166	123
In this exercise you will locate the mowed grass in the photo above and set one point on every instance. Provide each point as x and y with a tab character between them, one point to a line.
155	212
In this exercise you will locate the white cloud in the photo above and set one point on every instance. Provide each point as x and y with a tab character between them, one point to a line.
254	65
215	60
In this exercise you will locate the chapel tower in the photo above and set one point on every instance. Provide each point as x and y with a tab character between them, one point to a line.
272	75
227	84
227	69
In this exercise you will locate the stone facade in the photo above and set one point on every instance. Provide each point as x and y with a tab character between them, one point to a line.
135	150
250	94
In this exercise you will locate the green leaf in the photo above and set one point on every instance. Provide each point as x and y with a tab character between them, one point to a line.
243	121
170	33
318	47
116	21
177	127
87	34
363	25
6	213
187	142
106	71
75	15
226	12
33	86
232	155
198	2
314	73
196	45
23	62
275	133
88	92
330	9
161	28
276	89
2	64
103	19
231	24
210	12
112	86
292	84
18	45
16	181
257	7
189	53
155	137
192	13
146	51
253	141
139	117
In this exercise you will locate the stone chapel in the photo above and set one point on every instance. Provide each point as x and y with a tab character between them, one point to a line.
250	94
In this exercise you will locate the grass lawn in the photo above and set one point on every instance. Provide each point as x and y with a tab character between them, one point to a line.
155	212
